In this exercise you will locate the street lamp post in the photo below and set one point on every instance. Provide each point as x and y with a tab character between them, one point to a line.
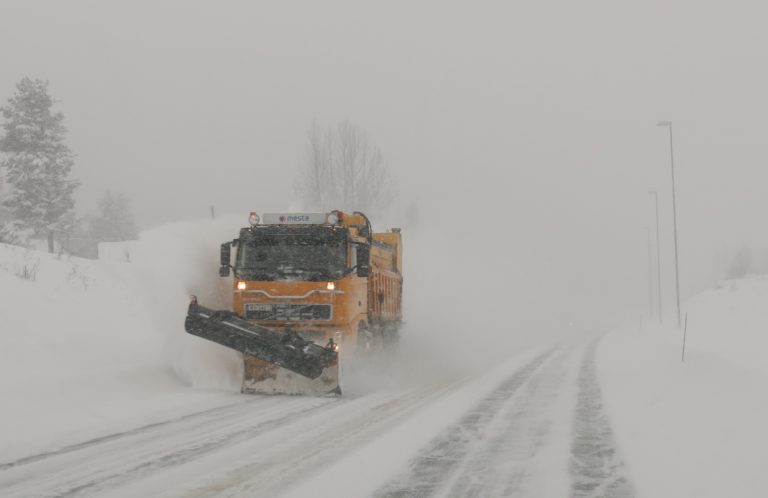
650	275
674	216
655	195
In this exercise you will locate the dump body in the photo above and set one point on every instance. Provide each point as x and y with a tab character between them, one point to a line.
385	283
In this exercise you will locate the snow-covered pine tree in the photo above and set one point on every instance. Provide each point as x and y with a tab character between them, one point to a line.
36	161
114	222
7	236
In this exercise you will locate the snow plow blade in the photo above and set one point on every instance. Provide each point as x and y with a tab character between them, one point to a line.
286	350
264	378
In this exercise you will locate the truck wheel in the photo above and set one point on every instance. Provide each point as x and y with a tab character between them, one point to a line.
365	339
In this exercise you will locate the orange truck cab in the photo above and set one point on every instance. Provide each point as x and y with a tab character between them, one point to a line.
325	276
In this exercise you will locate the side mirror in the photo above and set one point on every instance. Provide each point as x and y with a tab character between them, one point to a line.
363	231
225	253
363	260
226	250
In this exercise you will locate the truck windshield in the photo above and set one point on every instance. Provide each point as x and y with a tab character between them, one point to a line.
314	256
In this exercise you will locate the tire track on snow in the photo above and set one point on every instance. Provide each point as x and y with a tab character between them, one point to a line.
166	457
219	410
444	455
597	469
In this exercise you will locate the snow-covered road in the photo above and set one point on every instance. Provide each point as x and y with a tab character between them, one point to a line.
541	432
254	447
534	427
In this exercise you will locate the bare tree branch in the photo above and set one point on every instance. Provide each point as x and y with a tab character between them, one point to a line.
344	170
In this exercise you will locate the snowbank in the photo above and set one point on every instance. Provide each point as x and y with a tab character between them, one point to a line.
88	347
694	429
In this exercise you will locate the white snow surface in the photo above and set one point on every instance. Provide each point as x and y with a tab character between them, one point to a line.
90	349
695	428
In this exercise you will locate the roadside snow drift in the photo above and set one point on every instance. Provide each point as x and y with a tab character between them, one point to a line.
93	346
698	428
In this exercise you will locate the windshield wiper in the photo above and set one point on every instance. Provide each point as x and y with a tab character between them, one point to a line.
310	274
324	274
253	274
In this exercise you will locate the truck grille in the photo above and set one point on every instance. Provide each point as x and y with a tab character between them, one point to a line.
286	312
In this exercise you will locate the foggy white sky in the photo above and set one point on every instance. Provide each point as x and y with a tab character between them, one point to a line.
526	130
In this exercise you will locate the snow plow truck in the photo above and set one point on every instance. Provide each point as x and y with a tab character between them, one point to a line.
306	287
